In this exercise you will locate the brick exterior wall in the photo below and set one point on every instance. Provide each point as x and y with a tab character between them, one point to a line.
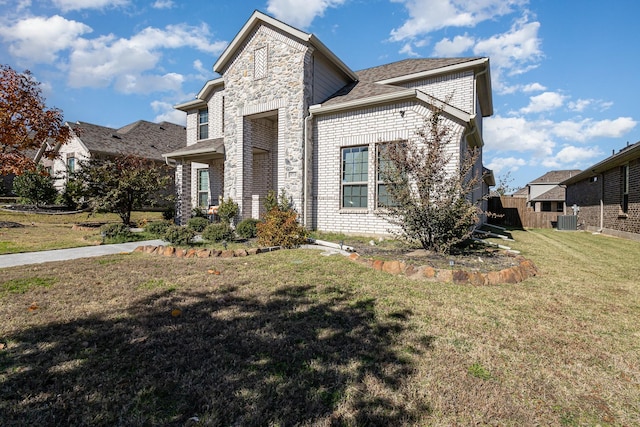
600	202
356	128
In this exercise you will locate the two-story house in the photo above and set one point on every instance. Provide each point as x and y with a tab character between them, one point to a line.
287	113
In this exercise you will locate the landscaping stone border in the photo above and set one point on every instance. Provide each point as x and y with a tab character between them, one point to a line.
515	274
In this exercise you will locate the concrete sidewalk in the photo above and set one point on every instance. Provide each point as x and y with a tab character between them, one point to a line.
12	260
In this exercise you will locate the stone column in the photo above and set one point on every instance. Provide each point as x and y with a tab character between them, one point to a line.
183	193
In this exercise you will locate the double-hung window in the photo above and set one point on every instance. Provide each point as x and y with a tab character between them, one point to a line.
203	188
71	164
355	172
203	124
383	198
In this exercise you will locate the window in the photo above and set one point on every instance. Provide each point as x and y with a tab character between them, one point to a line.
560	207
71	164
624	172
203	124
546	207
355	172
203	188
382	196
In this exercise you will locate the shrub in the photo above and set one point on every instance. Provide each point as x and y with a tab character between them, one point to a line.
35	187
157	229
72	194
116	232
247	228
178	235
198	212
218	232
227	210
197	224
169	213
281	228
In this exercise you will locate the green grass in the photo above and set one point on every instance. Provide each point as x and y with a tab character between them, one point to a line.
294	338
23	285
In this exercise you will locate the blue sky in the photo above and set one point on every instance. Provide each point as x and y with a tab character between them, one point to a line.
564	73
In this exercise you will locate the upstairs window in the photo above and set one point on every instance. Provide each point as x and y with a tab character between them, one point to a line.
71	164
355	172
203	124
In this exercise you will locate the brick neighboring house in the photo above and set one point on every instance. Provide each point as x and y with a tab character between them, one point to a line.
142	138
287	113
545	194
608	194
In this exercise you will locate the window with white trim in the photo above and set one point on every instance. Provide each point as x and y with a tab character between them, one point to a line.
203	123
203	188
383	198
355	173
71	164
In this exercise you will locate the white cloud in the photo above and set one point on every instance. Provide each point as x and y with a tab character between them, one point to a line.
163	4
449	48
503	134
166	113
571	154
544	102
40	39
101	61
430	15
300	14
131	83
68	5
588	129
533	87
500	164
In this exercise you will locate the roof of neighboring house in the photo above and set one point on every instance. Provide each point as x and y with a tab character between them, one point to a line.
555	177
142	138
630	152
556	193
522	192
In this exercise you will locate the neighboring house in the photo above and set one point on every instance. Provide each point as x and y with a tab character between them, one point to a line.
608	194
287	114
142	138
545	194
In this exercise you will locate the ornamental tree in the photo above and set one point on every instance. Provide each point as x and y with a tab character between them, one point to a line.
428	188
122	184
26	123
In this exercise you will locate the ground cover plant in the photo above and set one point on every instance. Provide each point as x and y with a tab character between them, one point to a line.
293	338
27	232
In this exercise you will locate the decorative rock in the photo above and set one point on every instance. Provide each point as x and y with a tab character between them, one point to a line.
169	251
240	253
493	277
354	256
410	270
444	276
429	272
393	267
477	279
253	251
139	249
378	264
460	276
191	253
229	253
180	253
508	276
215	253
203	253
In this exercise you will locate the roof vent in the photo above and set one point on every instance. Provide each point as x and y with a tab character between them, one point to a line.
116	136
161	128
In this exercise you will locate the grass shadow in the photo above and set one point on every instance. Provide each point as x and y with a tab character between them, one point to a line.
284	358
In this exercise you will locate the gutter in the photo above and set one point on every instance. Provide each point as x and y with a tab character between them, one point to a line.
305	169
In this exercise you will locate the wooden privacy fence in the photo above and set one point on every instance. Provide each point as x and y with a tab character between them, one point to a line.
514	212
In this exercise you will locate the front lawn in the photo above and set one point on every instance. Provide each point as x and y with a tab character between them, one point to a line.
295	338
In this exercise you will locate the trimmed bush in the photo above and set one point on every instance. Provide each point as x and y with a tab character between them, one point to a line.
157	229
246	229
178	235
227	210
116	232
281	228
197	224
218	232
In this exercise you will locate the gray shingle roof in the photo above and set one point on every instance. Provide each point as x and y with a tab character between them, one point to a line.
555	177
142	138
367	87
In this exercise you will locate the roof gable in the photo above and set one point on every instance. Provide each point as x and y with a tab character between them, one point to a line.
555	177
259	18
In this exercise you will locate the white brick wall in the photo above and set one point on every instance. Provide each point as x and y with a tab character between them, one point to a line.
365	127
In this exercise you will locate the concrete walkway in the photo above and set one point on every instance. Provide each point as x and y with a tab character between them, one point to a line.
12	260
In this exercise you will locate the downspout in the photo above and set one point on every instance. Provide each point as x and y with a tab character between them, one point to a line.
601	202
305	169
